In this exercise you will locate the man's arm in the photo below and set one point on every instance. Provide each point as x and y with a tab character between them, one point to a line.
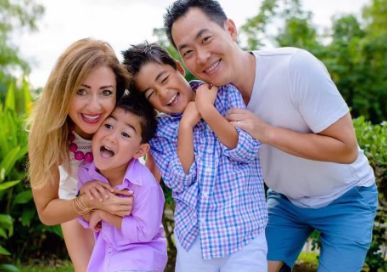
337	143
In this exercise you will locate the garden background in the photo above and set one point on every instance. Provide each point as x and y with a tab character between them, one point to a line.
354	48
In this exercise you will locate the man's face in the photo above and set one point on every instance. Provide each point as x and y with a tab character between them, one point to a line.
208	49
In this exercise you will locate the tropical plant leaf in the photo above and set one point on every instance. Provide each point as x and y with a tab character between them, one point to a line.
8	268
55	229
10	159
23	197
3	233
10	98
27	216
3	251
8	184
27	97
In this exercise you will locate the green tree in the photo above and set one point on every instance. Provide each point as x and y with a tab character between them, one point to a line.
15	15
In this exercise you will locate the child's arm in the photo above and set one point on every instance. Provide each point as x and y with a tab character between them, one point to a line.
164	152
224	130
185	148
145	221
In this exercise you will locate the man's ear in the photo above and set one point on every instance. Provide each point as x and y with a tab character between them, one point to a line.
180	68
231	28
142	150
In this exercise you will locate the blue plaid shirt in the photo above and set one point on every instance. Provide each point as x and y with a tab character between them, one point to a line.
222	197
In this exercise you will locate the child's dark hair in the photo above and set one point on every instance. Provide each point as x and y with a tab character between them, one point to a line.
138	55
179	8
139	106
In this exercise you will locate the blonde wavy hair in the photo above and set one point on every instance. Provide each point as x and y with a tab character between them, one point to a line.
49	125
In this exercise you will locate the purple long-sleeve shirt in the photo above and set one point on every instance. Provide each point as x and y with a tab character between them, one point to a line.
140	243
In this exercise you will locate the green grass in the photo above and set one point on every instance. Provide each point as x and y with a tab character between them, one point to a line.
44	267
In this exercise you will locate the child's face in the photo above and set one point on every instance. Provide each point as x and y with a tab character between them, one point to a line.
165	88
117	141
93	101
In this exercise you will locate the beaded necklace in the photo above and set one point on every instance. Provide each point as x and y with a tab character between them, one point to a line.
78	154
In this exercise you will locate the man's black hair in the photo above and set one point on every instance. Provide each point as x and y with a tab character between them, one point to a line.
179	8
139	106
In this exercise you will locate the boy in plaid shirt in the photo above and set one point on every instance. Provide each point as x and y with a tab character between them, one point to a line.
212	167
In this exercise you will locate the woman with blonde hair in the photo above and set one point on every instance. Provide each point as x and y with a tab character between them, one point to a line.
80	93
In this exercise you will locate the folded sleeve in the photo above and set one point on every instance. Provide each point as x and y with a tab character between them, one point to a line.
165	154
247	147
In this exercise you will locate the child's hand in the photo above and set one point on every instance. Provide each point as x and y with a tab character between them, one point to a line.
191	115
95	221
96	189
205	97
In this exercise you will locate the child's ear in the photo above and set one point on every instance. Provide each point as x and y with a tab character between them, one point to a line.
180	68
142	150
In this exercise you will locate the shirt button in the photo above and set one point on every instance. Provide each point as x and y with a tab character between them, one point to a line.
205	195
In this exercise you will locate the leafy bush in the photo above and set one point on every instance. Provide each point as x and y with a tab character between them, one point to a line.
373	140
21	233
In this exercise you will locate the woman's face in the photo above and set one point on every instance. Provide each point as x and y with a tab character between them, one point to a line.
94	100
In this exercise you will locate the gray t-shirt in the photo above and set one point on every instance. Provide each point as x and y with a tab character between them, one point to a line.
293	90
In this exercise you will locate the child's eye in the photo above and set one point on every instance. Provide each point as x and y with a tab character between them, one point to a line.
187	53
148	94
107	92
164	80
126	135
81	92
108	126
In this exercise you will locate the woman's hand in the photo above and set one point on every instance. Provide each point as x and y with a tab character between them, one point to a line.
119	203
96	190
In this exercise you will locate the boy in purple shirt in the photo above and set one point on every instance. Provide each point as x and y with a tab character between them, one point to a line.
135	242
211	166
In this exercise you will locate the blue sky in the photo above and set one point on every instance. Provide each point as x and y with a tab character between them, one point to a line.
125	22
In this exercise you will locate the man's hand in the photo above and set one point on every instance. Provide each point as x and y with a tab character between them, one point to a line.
252	124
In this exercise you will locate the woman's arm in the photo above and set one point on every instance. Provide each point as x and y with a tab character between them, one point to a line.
53	211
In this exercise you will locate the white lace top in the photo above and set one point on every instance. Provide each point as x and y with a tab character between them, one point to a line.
68	182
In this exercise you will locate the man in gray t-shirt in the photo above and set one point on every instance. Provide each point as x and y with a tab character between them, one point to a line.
318	176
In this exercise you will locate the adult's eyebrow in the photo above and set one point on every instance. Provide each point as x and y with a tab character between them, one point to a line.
102	87
197	36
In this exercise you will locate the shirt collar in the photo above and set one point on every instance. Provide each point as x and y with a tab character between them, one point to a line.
133	173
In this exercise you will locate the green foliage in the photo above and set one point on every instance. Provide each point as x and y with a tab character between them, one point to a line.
13	149
355	54
16	15
255	27
373	140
